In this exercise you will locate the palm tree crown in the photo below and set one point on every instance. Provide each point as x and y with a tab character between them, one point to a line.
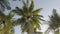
54	22
29	16
7	23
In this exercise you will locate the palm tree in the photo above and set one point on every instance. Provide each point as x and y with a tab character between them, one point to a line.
54	22
30	18
7	23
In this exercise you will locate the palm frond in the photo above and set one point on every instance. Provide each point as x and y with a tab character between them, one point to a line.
36	22
10	15
25	28
21	21
38	15
5	4
2	6
24	3
2	15
31	6
18	11
37	11
25	9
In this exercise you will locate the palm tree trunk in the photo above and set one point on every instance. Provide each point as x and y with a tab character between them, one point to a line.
59	30
30	29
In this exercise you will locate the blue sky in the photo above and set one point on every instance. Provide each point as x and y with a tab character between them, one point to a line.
47	6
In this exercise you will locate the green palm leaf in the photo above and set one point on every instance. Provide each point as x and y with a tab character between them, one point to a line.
31	6
37	11
18	11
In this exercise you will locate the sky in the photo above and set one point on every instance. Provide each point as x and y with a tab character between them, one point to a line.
47	5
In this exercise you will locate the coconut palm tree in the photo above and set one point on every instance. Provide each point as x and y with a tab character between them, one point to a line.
7	27
30	18
54	22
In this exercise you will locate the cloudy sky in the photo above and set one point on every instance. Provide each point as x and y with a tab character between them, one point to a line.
47	5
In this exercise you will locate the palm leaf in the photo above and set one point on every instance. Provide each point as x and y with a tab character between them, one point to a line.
37	11
25	28
31	6
36	22
24	3
2	6
38	15
5	4
10	15
25	9
2	15
18	11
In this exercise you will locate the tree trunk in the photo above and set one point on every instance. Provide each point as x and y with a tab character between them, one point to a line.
30	29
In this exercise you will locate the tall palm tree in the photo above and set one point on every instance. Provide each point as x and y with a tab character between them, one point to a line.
54	22
30	18
7	23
